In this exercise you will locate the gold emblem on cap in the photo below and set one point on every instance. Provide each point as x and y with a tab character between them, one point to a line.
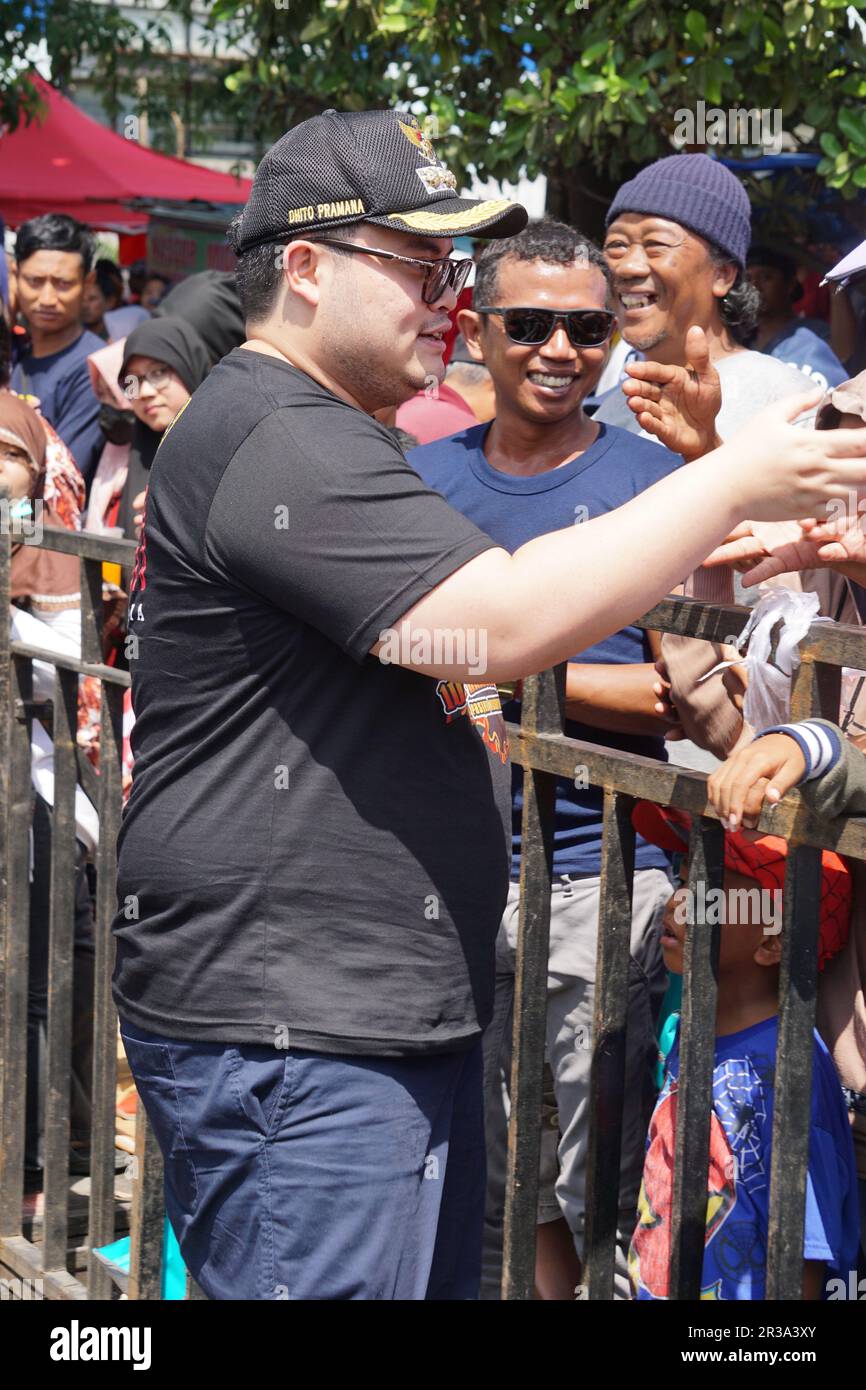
415	135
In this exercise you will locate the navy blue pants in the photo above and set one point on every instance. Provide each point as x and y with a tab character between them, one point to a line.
303	1175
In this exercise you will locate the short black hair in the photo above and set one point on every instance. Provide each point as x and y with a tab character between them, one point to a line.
406	440
772	259
109	278
777	260
544	240
259	271
54	231
740	307
473	373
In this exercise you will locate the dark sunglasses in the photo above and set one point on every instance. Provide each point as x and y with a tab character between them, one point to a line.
532	327
439	275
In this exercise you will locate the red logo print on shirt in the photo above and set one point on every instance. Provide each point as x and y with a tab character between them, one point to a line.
138	581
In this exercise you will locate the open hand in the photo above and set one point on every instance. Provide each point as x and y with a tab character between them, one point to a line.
678	405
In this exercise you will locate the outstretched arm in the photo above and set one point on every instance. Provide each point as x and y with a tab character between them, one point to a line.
562	592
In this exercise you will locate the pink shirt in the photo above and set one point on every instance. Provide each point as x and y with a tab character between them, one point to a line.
434	417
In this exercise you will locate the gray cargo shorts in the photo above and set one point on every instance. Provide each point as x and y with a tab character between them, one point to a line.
574	909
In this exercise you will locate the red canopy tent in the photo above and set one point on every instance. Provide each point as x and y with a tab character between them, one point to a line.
67	162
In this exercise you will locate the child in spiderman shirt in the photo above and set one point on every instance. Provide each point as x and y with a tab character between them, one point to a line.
735	1251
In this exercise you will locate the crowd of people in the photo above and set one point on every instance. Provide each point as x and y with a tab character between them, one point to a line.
644	389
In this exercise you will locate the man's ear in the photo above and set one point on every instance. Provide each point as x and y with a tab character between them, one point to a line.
770	950
302	264
723	278
469	324
90	278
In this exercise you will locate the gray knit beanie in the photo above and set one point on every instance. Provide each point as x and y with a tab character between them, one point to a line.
696	191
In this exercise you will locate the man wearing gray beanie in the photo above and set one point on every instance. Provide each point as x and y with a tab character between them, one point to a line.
677	240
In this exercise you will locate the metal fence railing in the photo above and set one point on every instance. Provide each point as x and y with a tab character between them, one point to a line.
540	746
545	753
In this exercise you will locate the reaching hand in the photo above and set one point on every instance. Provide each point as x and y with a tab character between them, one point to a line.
819	545
762	771
778	472
835	545
742	549
678	405
664	705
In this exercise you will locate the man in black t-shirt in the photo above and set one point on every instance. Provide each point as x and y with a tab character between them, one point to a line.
315	854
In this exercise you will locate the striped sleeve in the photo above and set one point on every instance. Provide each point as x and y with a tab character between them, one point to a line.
819	745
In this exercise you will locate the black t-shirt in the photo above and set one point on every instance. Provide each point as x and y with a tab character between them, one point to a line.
316	848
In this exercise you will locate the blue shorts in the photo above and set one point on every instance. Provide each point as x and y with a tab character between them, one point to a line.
305	1175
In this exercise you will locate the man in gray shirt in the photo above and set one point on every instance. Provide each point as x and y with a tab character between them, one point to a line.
677	238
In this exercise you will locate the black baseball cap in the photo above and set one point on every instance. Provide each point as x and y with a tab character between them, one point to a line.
363	166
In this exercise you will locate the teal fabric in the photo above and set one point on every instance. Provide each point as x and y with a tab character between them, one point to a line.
669	1017
173	1267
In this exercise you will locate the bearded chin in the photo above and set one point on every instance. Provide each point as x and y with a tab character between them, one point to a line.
644	341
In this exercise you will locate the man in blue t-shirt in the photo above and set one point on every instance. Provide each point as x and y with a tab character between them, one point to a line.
539	465
54	256
781	334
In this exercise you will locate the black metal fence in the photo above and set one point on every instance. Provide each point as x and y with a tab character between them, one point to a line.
545	753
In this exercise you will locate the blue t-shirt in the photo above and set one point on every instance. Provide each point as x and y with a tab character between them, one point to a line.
66	398
800	347
514	510
741	1129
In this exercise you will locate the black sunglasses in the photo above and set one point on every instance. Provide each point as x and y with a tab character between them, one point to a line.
532	327
439	277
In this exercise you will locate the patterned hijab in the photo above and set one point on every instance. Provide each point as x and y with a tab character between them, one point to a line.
45	579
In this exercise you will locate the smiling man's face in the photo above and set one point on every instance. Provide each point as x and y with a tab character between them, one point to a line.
547	383
376	333
665	281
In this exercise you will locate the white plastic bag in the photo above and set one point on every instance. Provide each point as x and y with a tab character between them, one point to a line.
779	621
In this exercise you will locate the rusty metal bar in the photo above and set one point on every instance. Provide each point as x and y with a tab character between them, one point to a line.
670	785
18	810
72	663
60	970
543	706
607	1076
102	1214
88	545
148	1209
91	611
839	644
815	691
697	1045
793	1079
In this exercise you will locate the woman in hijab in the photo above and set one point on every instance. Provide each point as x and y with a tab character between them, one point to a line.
116	421
164	360
45	582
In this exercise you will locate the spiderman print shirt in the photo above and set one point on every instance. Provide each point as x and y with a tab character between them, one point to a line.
735	1243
